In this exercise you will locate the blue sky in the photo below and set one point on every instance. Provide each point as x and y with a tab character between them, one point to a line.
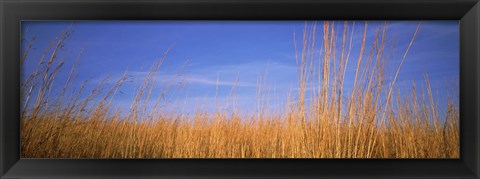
225	50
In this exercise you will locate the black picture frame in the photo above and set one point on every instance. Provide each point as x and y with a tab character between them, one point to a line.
14	11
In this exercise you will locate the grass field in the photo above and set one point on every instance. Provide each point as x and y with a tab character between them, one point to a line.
373	120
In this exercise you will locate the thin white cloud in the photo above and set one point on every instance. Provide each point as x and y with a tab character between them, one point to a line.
247	74
202	80
221	75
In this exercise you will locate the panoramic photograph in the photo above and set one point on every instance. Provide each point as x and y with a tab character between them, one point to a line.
240	89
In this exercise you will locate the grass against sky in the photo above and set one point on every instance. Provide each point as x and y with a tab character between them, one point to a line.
219	52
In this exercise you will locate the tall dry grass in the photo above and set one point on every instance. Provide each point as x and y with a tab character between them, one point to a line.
373	120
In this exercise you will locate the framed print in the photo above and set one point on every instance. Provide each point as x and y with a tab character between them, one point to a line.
248	89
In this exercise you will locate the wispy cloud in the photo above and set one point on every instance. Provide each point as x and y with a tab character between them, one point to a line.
222	75
202	80
247	73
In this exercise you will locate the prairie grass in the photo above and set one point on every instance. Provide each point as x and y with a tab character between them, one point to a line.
373	120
